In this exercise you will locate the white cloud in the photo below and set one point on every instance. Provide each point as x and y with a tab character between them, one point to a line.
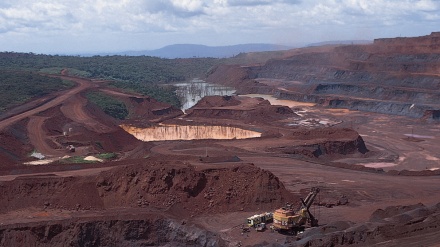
214	21
188	5
259	2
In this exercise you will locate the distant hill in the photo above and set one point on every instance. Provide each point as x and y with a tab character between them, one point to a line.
190	50
342	42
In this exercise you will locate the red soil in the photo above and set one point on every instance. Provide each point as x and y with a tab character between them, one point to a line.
157	193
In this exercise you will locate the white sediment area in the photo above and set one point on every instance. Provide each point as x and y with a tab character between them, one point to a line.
182	132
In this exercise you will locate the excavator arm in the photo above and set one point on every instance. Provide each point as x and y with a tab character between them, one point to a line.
307	203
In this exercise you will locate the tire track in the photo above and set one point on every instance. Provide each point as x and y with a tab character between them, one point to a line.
38	138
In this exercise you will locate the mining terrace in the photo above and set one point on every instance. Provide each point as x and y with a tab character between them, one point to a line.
360	122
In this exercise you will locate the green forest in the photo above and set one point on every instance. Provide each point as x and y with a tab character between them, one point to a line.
18	87
126	68
22	75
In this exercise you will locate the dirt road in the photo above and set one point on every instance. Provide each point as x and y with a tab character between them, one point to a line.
83	84
74	109
38	137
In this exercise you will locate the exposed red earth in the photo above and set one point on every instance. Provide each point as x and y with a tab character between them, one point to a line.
379	187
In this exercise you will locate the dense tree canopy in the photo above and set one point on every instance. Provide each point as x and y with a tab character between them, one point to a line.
19	86
147	75
125	68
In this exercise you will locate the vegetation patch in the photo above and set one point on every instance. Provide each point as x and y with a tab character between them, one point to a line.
107	156
139	69
79	73
76	160
161	93
111	106
17	87
151	76
52	70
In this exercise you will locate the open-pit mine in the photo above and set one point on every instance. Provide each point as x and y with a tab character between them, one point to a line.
180	132
357	123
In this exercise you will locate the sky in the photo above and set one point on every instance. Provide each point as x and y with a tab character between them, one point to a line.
87	26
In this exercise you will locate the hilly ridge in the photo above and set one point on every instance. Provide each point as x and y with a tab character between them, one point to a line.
194	50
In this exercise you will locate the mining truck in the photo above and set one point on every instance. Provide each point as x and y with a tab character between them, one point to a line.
286	219
253	221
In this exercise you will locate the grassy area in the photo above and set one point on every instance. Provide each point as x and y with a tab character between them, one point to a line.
107	156
81	159
52	70
109	105
162	93
76	160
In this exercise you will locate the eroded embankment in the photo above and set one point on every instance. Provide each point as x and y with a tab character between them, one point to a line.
189	132
378	106
323	142
396	225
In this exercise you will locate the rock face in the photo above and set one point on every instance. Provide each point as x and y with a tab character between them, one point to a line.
397	224
394	76
323	142
150	231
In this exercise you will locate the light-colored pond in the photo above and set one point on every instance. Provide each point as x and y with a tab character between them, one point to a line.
379	165
190	93
275	101
182	132
419	136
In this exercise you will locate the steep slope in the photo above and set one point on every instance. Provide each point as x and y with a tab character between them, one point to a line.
395	76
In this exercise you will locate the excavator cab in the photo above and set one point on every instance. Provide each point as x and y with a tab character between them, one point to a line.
287	219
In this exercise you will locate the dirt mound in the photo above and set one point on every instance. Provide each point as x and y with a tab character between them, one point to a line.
403	225
217	101
240	108
59	192
172	185
381	214
146	203
181	187
324	133
325	141
146	108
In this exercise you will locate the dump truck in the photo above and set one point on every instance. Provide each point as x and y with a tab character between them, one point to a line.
259	218
287	219
71	148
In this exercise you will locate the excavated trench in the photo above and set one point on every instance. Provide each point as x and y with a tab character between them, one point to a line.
182	132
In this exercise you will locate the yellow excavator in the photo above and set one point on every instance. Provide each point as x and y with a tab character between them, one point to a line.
286	219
